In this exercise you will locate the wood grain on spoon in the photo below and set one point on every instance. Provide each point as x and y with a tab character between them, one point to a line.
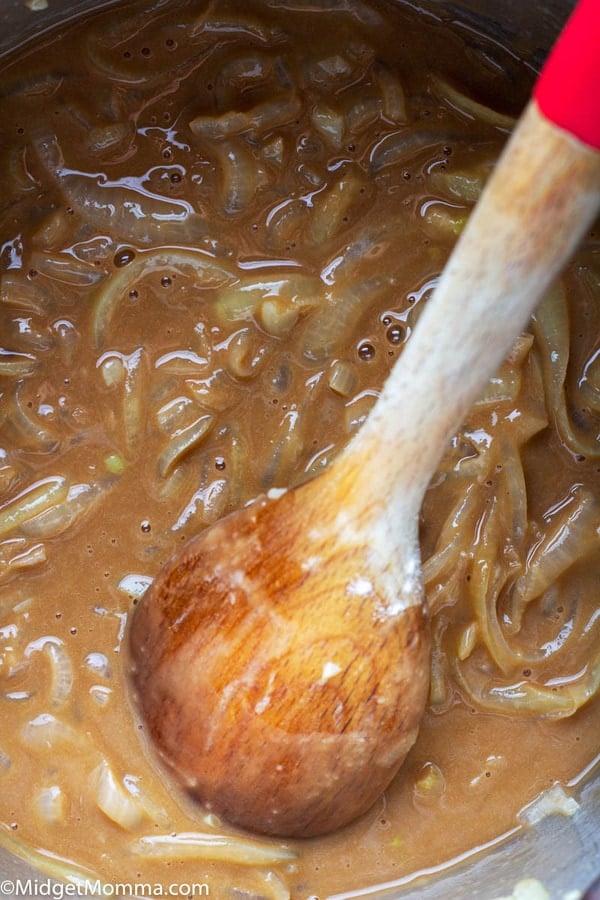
282	660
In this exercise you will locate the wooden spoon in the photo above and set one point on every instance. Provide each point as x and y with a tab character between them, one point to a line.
281	661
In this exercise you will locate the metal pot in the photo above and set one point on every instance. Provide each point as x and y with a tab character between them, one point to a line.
563	854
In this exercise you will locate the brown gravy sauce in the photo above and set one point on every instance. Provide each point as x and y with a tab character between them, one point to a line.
218	225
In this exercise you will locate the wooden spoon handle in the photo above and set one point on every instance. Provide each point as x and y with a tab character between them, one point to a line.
541	198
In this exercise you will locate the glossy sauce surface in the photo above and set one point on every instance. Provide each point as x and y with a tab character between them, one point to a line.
218	227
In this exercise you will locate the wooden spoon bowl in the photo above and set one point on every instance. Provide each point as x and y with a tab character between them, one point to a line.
304	694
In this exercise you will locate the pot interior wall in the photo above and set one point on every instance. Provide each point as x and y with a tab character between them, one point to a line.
526	27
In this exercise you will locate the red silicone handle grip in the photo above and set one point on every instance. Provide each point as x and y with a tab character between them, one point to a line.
568	89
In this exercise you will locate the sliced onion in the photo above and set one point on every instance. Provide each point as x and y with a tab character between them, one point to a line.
66	269
527	697
273	150
216	22
134	398
61	667
5	761
266	116
397	148
204	271
442	219
554	801
244	357
98	664
330	124
357	9
247	72
277	317
52	805
17	365
207	504
467	641
277	889
176	414
458	529
125	208
16	292
393	95
465	186
240	174
112	368
221	848
153	810
67	339
46	731
337	208
551	328
246	299
26	429
105	138
20	556
114	800
470	107
505	385
32	501
101	694
343	378
61	868
103	56
590	382
362	114
288	448
430	783
570	536
328	328
80	500
215	392
489	576
438	682
182	443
